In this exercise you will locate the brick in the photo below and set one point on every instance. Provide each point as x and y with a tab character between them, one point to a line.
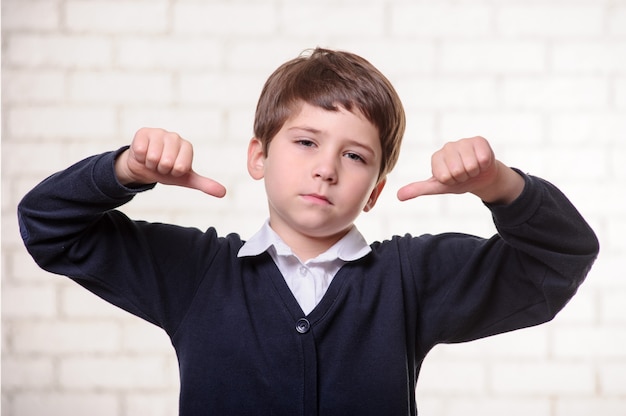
22	267
612	378
26	15
606	342
499	128
306	19
100	16
522	344
40	160
581	128
589	57
29	301
222	90
198	124
55	122
585	406
441	20
397	56
613	307
483	57
570	161
619	92
119	372
58	51
555	93
617	19
493	406
541	20
169	53
261	55
618	169
239	125
614	238
10	232
77	303
26	372
120	88
33	87
449	93
156	404
429	404
219	18
63	403
55	337
142	337
539	378
458	377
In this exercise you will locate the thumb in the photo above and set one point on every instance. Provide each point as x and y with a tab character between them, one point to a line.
428	187
207	185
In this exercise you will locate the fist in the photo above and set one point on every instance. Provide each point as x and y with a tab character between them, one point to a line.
159	156
467	165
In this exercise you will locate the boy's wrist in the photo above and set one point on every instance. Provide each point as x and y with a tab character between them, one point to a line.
506	188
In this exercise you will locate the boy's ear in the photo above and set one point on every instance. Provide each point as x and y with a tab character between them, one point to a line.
256	158
374	195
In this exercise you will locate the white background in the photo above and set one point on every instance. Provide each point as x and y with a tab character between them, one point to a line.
544	81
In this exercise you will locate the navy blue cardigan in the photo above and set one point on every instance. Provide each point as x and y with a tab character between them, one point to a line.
244	345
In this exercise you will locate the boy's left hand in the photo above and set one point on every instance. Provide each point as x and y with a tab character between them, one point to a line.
468	165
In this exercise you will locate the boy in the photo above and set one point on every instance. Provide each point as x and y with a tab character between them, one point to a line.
305	318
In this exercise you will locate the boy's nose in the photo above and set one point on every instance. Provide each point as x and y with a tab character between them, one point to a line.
325	170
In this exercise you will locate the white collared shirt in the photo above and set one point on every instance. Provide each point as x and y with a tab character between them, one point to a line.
308	281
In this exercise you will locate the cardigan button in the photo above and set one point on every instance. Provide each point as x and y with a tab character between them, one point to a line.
303	326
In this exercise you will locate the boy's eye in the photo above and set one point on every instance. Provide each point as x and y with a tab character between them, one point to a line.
305	142
354	157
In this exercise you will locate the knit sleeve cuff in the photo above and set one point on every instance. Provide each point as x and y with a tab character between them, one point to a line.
105	180
521	209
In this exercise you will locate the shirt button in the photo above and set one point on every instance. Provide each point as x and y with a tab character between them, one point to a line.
303	326
303	270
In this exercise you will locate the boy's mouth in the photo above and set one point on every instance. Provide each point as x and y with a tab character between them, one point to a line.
317	199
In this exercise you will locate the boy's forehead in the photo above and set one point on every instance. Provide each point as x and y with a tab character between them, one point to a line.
303	108
304	112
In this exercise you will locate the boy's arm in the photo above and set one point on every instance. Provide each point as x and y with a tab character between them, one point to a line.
521	277
70	226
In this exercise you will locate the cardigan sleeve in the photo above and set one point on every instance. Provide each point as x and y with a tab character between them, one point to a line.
469	287
70	226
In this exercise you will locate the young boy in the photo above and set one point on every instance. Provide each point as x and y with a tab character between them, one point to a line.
306	318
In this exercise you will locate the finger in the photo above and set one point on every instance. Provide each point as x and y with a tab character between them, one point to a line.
154	152
448	167
139	146
184	159
169	153
204	184
483	153
431	186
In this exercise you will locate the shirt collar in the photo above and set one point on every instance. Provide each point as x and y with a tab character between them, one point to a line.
350	247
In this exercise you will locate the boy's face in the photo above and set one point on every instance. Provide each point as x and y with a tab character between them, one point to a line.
321	171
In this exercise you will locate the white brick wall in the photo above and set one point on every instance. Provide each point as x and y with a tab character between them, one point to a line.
545	81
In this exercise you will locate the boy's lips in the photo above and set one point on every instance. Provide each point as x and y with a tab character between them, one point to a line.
317	199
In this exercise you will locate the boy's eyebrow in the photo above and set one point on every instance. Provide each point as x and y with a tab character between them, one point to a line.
317	131
306	128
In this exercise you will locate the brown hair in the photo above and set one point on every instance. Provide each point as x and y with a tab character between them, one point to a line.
328	79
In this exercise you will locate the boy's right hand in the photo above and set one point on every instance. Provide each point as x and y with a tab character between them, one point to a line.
157	155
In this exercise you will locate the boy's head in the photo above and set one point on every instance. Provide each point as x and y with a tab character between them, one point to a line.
328	79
